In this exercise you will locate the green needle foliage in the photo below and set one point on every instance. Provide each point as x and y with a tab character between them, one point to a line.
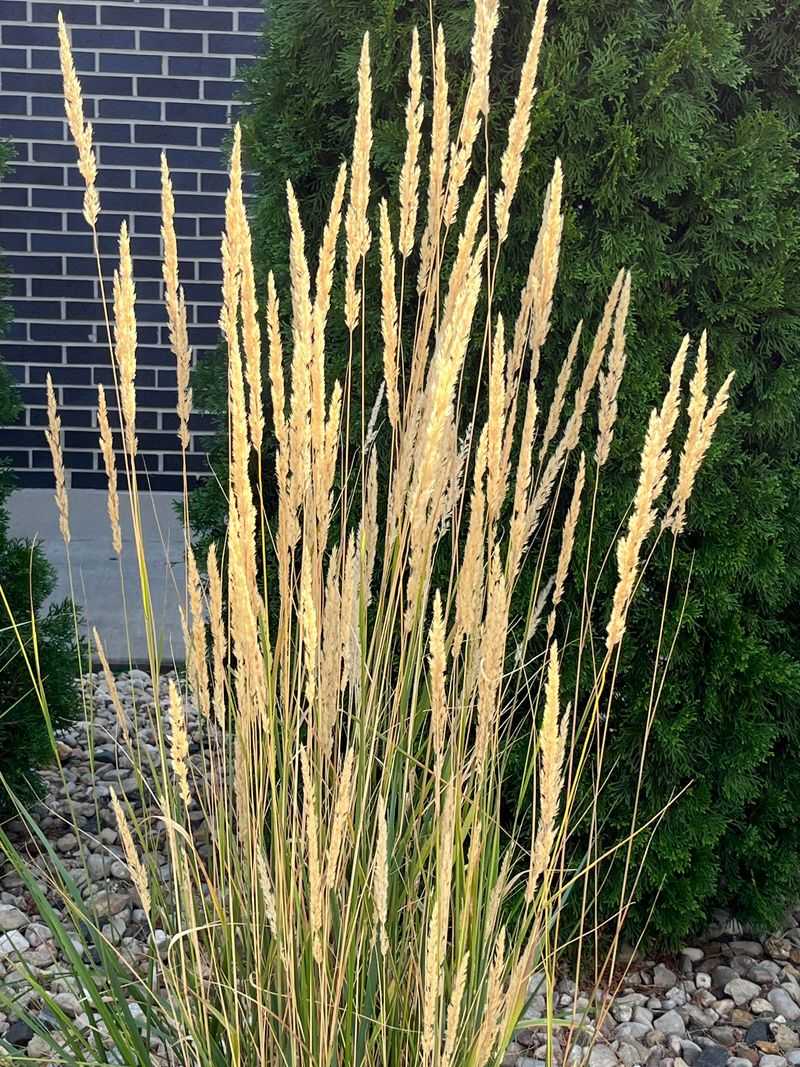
27	579
677	126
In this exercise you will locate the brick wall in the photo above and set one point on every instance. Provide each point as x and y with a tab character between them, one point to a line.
155	74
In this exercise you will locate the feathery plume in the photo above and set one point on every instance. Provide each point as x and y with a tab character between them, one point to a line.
53	435
179	743
520	125
380	877
409	172
176	305
111	686
80	129
389	322
356	222
702	424
132	858
341	815
110	462
125	338
610	381
312	844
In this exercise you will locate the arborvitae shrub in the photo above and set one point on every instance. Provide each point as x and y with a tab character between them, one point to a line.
677	126
26	580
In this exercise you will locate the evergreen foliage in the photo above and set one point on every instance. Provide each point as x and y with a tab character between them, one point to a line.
27	579
677	126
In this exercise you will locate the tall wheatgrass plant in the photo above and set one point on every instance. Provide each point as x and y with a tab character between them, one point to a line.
355	897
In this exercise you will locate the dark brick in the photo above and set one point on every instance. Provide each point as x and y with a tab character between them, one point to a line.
167	379
125	156
105	376
111	133
74	14
193	159
131	15
129	63
166	41
162	134
30	82
145	420
29	35
13	196
22	438
54	153
15	242
164	88
146	268
31	129
107	85
35	353
62	242
207	315
67	332
36	309
182	180
18	460
214	183
131	200
250	21
47	59
53	107
14	11
203	292
28	174
143	110
34	264
17	57
200	20
104	39
234	44
34	220
210	272
196	464
154	356
210	227
64	199
199	66
205	335
184	111
63	375
200	204
108	178
221	90
55	288
214	136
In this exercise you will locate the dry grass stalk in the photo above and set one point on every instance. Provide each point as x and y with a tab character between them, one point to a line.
53	436
125	339
409	172
80	129
110	463
132	858
357	229
175	303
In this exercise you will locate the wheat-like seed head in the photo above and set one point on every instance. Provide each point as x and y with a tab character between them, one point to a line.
179	743
437	165
568	533
80	129
610	382
132	858
109	460
356	225
454	1010
389	318
315	901
557	403
519	126
409	172
341	817
111	686
216	621
125	339
380	877
53	436
702	424
176	305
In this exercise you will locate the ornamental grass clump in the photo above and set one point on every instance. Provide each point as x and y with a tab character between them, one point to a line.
341	886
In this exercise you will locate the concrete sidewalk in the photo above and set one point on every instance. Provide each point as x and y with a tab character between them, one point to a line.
111	601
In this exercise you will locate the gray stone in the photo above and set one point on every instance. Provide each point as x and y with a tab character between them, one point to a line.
742	991
759	1030
793	1058
783	1004
11	918
602	1056
693	954
712	1056
11	943
663	977
671	1023
772	1061
635	1030
747	948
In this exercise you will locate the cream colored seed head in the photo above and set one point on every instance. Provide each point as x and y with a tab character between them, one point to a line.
80	129
356	225
109	460
409	172
53	436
